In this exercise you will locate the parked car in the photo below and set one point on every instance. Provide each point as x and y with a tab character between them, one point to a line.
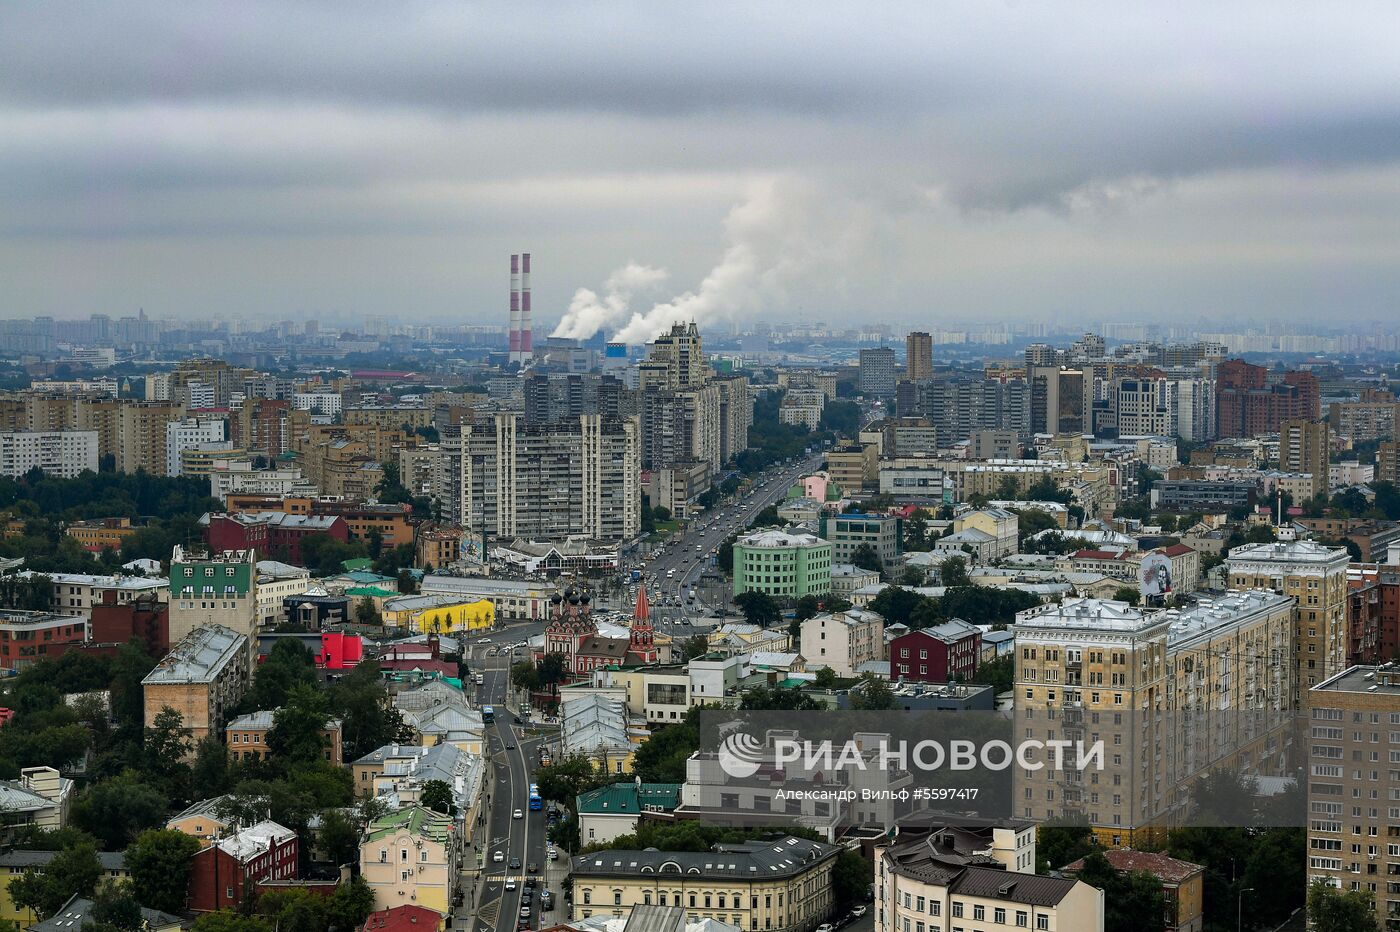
860	910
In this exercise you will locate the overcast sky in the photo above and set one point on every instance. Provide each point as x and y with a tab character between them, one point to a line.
940	164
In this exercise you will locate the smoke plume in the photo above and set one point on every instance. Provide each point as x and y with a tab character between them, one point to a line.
783	231
588	313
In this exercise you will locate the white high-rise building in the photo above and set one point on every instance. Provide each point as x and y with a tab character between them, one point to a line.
191	432
60	453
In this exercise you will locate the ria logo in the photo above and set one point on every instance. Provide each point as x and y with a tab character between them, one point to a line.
740	755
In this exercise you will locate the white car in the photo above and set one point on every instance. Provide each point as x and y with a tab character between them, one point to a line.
859	911
825	927
518	814
510	885
498	857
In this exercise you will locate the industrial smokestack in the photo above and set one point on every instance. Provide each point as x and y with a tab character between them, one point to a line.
527	330
514	309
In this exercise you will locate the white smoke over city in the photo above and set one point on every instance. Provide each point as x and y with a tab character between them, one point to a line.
588	313
783	231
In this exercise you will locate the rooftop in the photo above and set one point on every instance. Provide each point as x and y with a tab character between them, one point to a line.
629	798
199	656
1292	551
750	860
254	840
772	537
1383	680
1167	869
414	819
73	915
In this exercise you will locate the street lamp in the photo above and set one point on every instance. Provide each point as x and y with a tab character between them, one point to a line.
1239	907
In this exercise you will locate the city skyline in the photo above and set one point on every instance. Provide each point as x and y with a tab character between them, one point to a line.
915	167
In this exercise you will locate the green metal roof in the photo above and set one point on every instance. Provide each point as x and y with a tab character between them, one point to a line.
417	820
358	563
373	591
629	799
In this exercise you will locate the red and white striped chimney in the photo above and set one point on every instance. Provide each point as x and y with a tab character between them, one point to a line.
527	330
514	309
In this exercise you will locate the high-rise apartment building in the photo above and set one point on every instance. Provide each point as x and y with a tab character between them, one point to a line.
1388	462
141	431
680	351
1058	401
1151	684
918	350
1253	401
877	367
1315	577
194	433
548	481
1353	776
60	453
1305	447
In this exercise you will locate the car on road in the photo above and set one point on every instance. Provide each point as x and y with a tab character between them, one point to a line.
483	640
510	883
859	911
498	857
515	864
510	746
552	853
525	912
530	882
825	927
532	868
517	814
546	901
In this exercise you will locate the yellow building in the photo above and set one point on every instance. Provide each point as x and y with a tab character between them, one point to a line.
16	863
412	856
778	886
456	618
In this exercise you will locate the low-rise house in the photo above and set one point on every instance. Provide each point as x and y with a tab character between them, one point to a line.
412	857
847	578
246	737
78	912
943	653
615	810
18	862
230	868
598	727
438	712
206	819
41	797
398	772
843	641
929	880
1183	883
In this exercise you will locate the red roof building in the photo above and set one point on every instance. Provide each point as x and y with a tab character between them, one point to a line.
1183	883
275	533
406	918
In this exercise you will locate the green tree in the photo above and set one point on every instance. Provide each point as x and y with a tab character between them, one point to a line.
1132	902
160	864
998	673
662	758
563	780
366	613
695	646
872	693
368	720
1127	594
167	742
296	734
114	909
288	664
825	679
73	871
209	776
115	811
895	604
807	607
1059	844
226	920
758	608
867	558
338	837
953	572
778	699
1333	910
850	880
350	905
437	795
